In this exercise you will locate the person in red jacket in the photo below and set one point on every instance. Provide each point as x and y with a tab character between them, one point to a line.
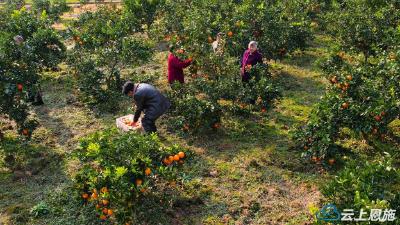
176	66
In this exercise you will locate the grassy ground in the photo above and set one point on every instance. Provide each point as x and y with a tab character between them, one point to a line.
246	173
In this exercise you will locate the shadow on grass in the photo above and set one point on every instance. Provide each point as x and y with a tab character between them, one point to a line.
39	173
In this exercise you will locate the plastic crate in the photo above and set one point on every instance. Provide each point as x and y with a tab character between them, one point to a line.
123	124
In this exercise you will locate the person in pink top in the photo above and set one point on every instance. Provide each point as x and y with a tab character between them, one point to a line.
250	57
176	66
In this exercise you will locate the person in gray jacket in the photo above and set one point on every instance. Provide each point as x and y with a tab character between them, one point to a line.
149	100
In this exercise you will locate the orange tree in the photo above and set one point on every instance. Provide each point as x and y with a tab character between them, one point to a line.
106	41
119	170
54	9
363	98
193	26
27	45
144	10
364	26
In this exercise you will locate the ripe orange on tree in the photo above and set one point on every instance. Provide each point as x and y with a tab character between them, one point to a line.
109	212
349	77
85	196
147	172
103	217
230	34
138	182
171	158
345	105
167	162
94	195
331	161
104	190
105	211
25	132
105	202
181	155
176	158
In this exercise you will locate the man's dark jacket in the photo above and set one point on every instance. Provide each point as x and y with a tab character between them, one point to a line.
149	100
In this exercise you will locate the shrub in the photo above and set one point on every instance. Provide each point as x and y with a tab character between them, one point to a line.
117	170
365	185
28	45
354	99
106	42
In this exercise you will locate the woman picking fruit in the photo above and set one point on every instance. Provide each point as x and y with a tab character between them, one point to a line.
250	58
176	66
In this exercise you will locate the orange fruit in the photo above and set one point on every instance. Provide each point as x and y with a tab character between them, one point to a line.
216	125
345	105
181	155
105	202
109	212
98	206
103	217
171	158
263	110
94	196
94	191
166	161
331	161
85	196
19	87
180	51
349	77
105	210
210	39
230	33
25	132
147	171
138	182
143	190
176	158
104	190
